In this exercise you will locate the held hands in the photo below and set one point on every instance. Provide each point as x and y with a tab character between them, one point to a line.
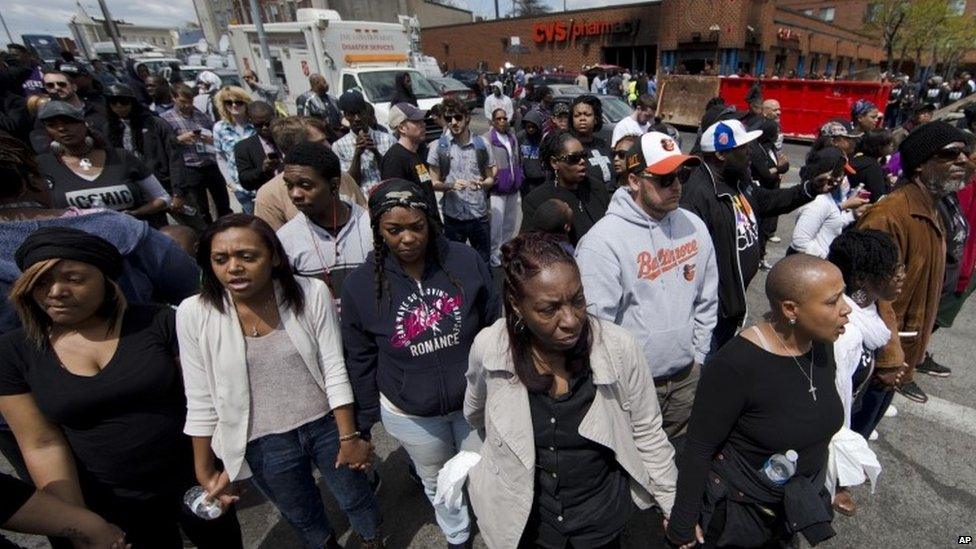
854	203
890	378
269	164
218	487
186	138
355	453
365	143
699	537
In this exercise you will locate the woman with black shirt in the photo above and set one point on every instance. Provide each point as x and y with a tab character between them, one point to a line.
871	152
769	390
84	172
407	341
92	391
575	443
585	119
566	158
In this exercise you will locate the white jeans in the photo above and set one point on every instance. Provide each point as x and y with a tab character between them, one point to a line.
430	442
505	211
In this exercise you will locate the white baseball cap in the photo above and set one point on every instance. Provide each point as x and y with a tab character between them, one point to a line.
657	153
726	135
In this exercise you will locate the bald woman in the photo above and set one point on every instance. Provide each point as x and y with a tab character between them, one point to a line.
768	390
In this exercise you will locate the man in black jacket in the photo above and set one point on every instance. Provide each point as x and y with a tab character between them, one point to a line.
258	158
721	192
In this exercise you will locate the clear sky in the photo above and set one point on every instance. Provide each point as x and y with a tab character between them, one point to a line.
51	16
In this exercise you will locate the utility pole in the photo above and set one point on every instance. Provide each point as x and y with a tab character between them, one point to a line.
112	31
11	38
263	41
496	10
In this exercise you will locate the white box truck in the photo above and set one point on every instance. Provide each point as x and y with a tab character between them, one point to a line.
364	55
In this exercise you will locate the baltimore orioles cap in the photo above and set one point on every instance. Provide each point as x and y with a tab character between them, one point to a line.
657	153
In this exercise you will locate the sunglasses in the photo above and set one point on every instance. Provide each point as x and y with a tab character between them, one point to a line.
52	85
951	153
621	154
664	181
119	100
234	102
573	158
261	125
455	117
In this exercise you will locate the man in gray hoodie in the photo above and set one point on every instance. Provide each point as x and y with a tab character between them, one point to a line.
649	266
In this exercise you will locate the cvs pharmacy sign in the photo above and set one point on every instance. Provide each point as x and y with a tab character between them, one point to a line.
561	31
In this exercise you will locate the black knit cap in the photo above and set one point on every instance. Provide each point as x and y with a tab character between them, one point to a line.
67	243
395	192
925	141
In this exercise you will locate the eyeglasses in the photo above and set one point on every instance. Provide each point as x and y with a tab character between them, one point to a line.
951	153
455	117
119	100
261	125
621	154
573	158
52	85
234	102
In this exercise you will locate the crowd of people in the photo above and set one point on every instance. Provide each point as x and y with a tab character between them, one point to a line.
557	322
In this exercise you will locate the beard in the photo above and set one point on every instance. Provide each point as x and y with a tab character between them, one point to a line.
942	187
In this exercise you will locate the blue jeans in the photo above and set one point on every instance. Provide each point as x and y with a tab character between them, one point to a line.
874	402
246	199
477	232
430	442
282	469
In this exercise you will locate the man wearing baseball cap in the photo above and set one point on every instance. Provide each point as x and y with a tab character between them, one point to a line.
650	267
935	160
401	160
721	192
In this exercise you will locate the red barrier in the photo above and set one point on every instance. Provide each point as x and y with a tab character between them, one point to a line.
807	104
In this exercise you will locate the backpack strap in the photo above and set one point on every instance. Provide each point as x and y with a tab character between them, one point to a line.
481	152
443	156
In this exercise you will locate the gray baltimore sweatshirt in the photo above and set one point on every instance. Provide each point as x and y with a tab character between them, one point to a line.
657	279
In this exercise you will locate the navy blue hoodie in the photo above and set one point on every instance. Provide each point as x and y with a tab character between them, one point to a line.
413	345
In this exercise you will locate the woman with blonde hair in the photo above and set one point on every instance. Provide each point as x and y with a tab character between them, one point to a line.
91	388
233	127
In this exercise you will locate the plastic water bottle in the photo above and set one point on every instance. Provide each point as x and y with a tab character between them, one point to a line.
196	500
779	467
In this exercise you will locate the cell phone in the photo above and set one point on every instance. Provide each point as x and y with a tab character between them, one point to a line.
866	195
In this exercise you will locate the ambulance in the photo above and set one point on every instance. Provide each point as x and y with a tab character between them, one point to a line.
362	55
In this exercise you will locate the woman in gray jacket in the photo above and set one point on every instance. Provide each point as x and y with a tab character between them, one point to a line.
596	450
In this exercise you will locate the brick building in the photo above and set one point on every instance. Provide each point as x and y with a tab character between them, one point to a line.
754	36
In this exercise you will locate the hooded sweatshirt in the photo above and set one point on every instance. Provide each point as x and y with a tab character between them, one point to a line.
412	345
657	279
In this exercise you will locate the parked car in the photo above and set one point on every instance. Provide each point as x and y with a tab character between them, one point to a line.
567	89
449	87
615	109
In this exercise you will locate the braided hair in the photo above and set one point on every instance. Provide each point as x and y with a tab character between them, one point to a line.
864	255
390	194
523	258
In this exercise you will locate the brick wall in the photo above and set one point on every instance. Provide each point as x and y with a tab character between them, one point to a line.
464	46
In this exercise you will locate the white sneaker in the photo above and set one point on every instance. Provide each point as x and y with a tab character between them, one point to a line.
874	435
775	239
891	411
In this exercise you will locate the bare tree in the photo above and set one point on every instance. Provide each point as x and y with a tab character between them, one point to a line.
887	17
529	7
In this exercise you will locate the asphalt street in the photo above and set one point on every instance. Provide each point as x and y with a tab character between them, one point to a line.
926	495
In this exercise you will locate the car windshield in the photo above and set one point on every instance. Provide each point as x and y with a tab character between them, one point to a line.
567	89
615	109
450	84
379	85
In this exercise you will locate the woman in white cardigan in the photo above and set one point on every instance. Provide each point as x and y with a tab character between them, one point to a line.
266	386
573	438
821	221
